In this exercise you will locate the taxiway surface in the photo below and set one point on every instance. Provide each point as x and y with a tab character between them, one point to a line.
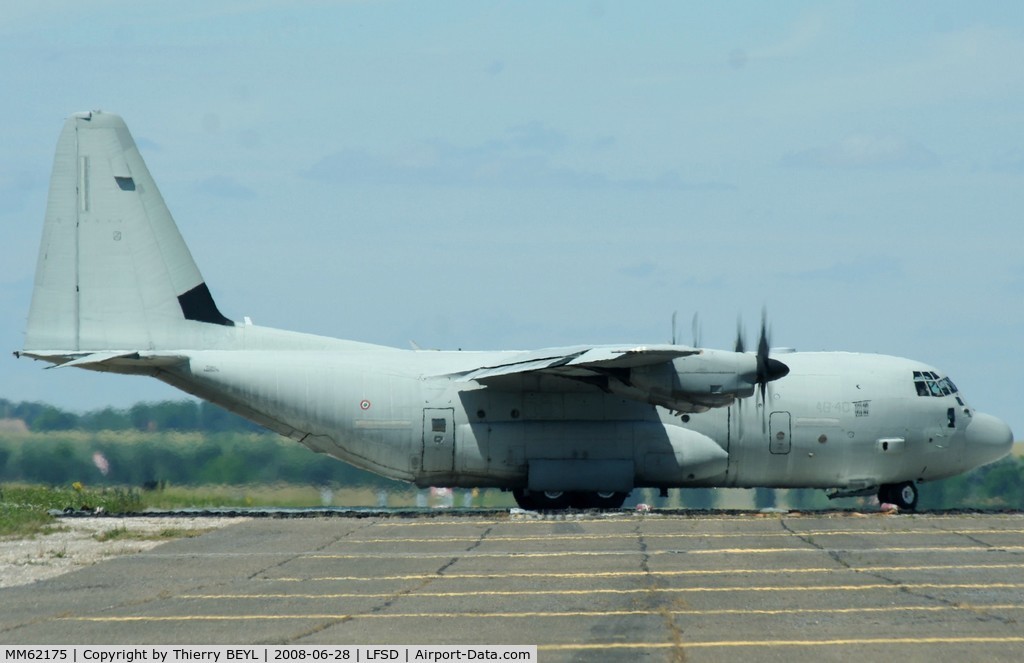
580	586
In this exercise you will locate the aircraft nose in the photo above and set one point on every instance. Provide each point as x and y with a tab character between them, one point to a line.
988	438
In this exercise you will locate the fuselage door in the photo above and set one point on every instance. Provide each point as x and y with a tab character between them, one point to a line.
779	433
438	439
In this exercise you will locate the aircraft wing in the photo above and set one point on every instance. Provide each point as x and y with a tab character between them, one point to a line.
680	378
580	361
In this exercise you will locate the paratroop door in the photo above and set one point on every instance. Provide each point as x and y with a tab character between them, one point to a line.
438	439
779	432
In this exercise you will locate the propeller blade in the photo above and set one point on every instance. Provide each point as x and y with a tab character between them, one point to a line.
767	369
695	328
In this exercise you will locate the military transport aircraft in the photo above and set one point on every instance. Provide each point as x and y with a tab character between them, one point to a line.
116	290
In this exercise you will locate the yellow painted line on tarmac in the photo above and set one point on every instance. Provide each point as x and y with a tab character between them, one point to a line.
681	613
680	535
969	547
660	519
556	613
511	554
658	574
606	591
839	642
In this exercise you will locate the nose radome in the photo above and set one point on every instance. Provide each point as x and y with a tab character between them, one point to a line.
988	438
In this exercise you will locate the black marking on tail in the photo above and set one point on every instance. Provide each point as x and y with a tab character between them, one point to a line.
197	304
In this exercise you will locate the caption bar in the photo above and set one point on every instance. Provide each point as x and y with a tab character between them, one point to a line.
265	654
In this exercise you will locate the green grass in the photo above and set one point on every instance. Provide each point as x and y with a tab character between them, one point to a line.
24	509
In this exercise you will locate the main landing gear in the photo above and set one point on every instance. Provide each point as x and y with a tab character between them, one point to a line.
903	495
555	499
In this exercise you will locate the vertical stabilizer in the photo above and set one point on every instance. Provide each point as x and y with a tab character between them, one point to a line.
113	272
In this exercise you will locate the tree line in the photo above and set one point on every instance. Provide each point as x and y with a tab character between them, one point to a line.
149	460
183	415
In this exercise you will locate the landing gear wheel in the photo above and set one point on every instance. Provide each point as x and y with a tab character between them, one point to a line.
543	500
524	499
885	494
598	500
551	499
904	495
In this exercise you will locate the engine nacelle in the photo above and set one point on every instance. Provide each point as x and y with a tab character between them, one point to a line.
696	383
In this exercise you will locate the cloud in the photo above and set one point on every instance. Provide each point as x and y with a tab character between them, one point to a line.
537	136
865	152
855	271
1009	161
803	35
523	157
639	270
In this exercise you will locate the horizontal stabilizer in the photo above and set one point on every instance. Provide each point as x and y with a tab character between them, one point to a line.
104	360
96	358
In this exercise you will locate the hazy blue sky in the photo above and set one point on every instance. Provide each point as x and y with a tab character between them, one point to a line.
525	174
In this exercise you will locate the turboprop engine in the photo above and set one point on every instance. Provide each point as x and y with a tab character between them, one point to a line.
712	378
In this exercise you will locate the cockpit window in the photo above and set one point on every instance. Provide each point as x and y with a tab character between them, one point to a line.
928	383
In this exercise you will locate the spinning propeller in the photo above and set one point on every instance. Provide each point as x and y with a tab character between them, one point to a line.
767	369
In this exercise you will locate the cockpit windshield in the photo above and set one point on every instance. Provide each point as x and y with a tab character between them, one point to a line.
928	383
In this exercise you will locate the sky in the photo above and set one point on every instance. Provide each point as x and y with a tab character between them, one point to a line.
516	175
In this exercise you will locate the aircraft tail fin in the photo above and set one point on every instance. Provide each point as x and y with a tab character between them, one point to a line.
113	271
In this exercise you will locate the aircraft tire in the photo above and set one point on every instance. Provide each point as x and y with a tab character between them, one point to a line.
524	499
548	500
551	499
885	494
598	500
